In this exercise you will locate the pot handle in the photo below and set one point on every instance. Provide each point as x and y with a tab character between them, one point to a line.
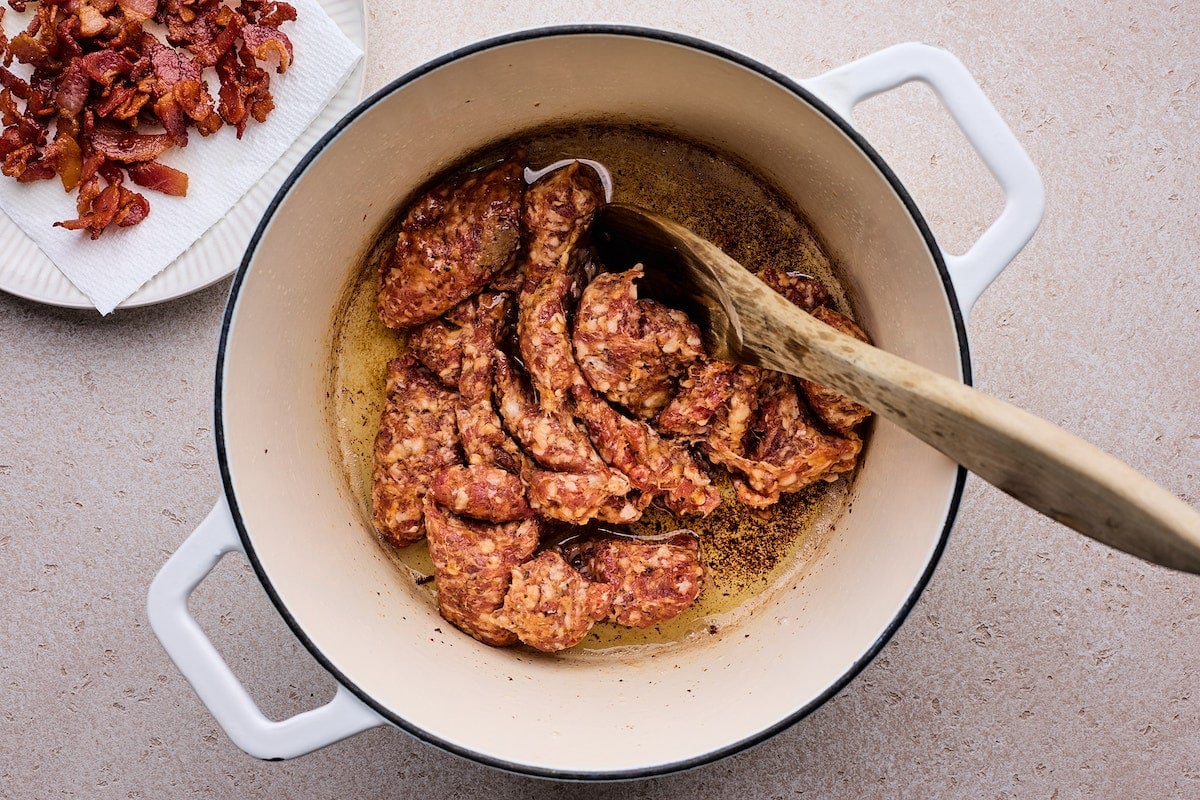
218	688
846	86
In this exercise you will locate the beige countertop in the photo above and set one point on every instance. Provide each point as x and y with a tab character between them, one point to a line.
1036	664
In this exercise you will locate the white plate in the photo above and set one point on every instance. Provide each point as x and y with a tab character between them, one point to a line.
27	272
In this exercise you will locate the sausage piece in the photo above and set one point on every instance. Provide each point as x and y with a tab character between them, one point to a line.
632	350
707	386
792	451
473	563
652	581
553	439
657	466
557	209
835	409
481	492
550	606
438	346
802	290
452	242
577	498
417	437
484	439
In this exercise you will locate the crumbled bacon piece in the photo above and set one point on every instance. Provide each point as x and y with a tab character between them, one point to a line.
116	144
263	42
139	10
99	79
160	178
103	66
276	14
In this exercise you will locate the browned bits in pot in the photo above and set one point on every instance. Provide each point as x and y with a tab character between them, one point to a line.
453	240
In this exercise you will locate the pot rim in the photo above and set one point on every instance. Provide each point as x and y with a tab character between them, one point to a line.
386	91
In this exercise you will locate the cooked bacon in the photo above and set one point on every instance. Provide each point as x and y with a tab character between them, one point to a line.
122	145
276	14
69	161
103	66
160	178
122	103
139	10
98	77
173	119
91	21
13	83
40	170
243	91
97	214
264	42
133	209
27	130
28	50
170	66
210	49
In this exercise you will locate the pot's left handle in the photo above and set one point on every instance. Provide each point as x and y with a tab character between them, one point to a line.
218	688
1024	196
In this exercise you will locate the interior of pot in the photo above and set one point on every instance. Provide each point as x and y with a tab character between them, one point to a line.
633	713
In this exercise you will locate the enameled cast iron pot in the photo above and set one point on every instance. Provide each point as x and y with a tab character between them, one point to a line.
287	505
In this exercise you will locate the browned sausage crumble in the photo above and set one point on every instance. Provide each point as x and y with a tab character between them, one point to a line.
538	388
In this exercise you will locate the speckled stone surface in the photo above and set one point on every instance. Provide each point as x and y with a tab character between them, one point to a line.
1036	664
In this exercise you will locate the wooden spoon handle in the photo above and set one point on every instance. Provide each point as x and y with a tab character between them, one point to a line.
1036	462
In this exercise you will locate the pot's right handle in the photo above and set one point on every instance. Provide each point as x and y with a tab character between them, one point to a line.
846	86
217	686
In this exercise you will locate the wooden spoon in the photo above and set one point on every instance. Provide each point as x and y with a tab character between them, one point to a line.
1036	462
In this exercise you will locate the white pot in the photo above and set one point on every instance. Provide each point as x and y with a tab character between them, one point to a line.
287	506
